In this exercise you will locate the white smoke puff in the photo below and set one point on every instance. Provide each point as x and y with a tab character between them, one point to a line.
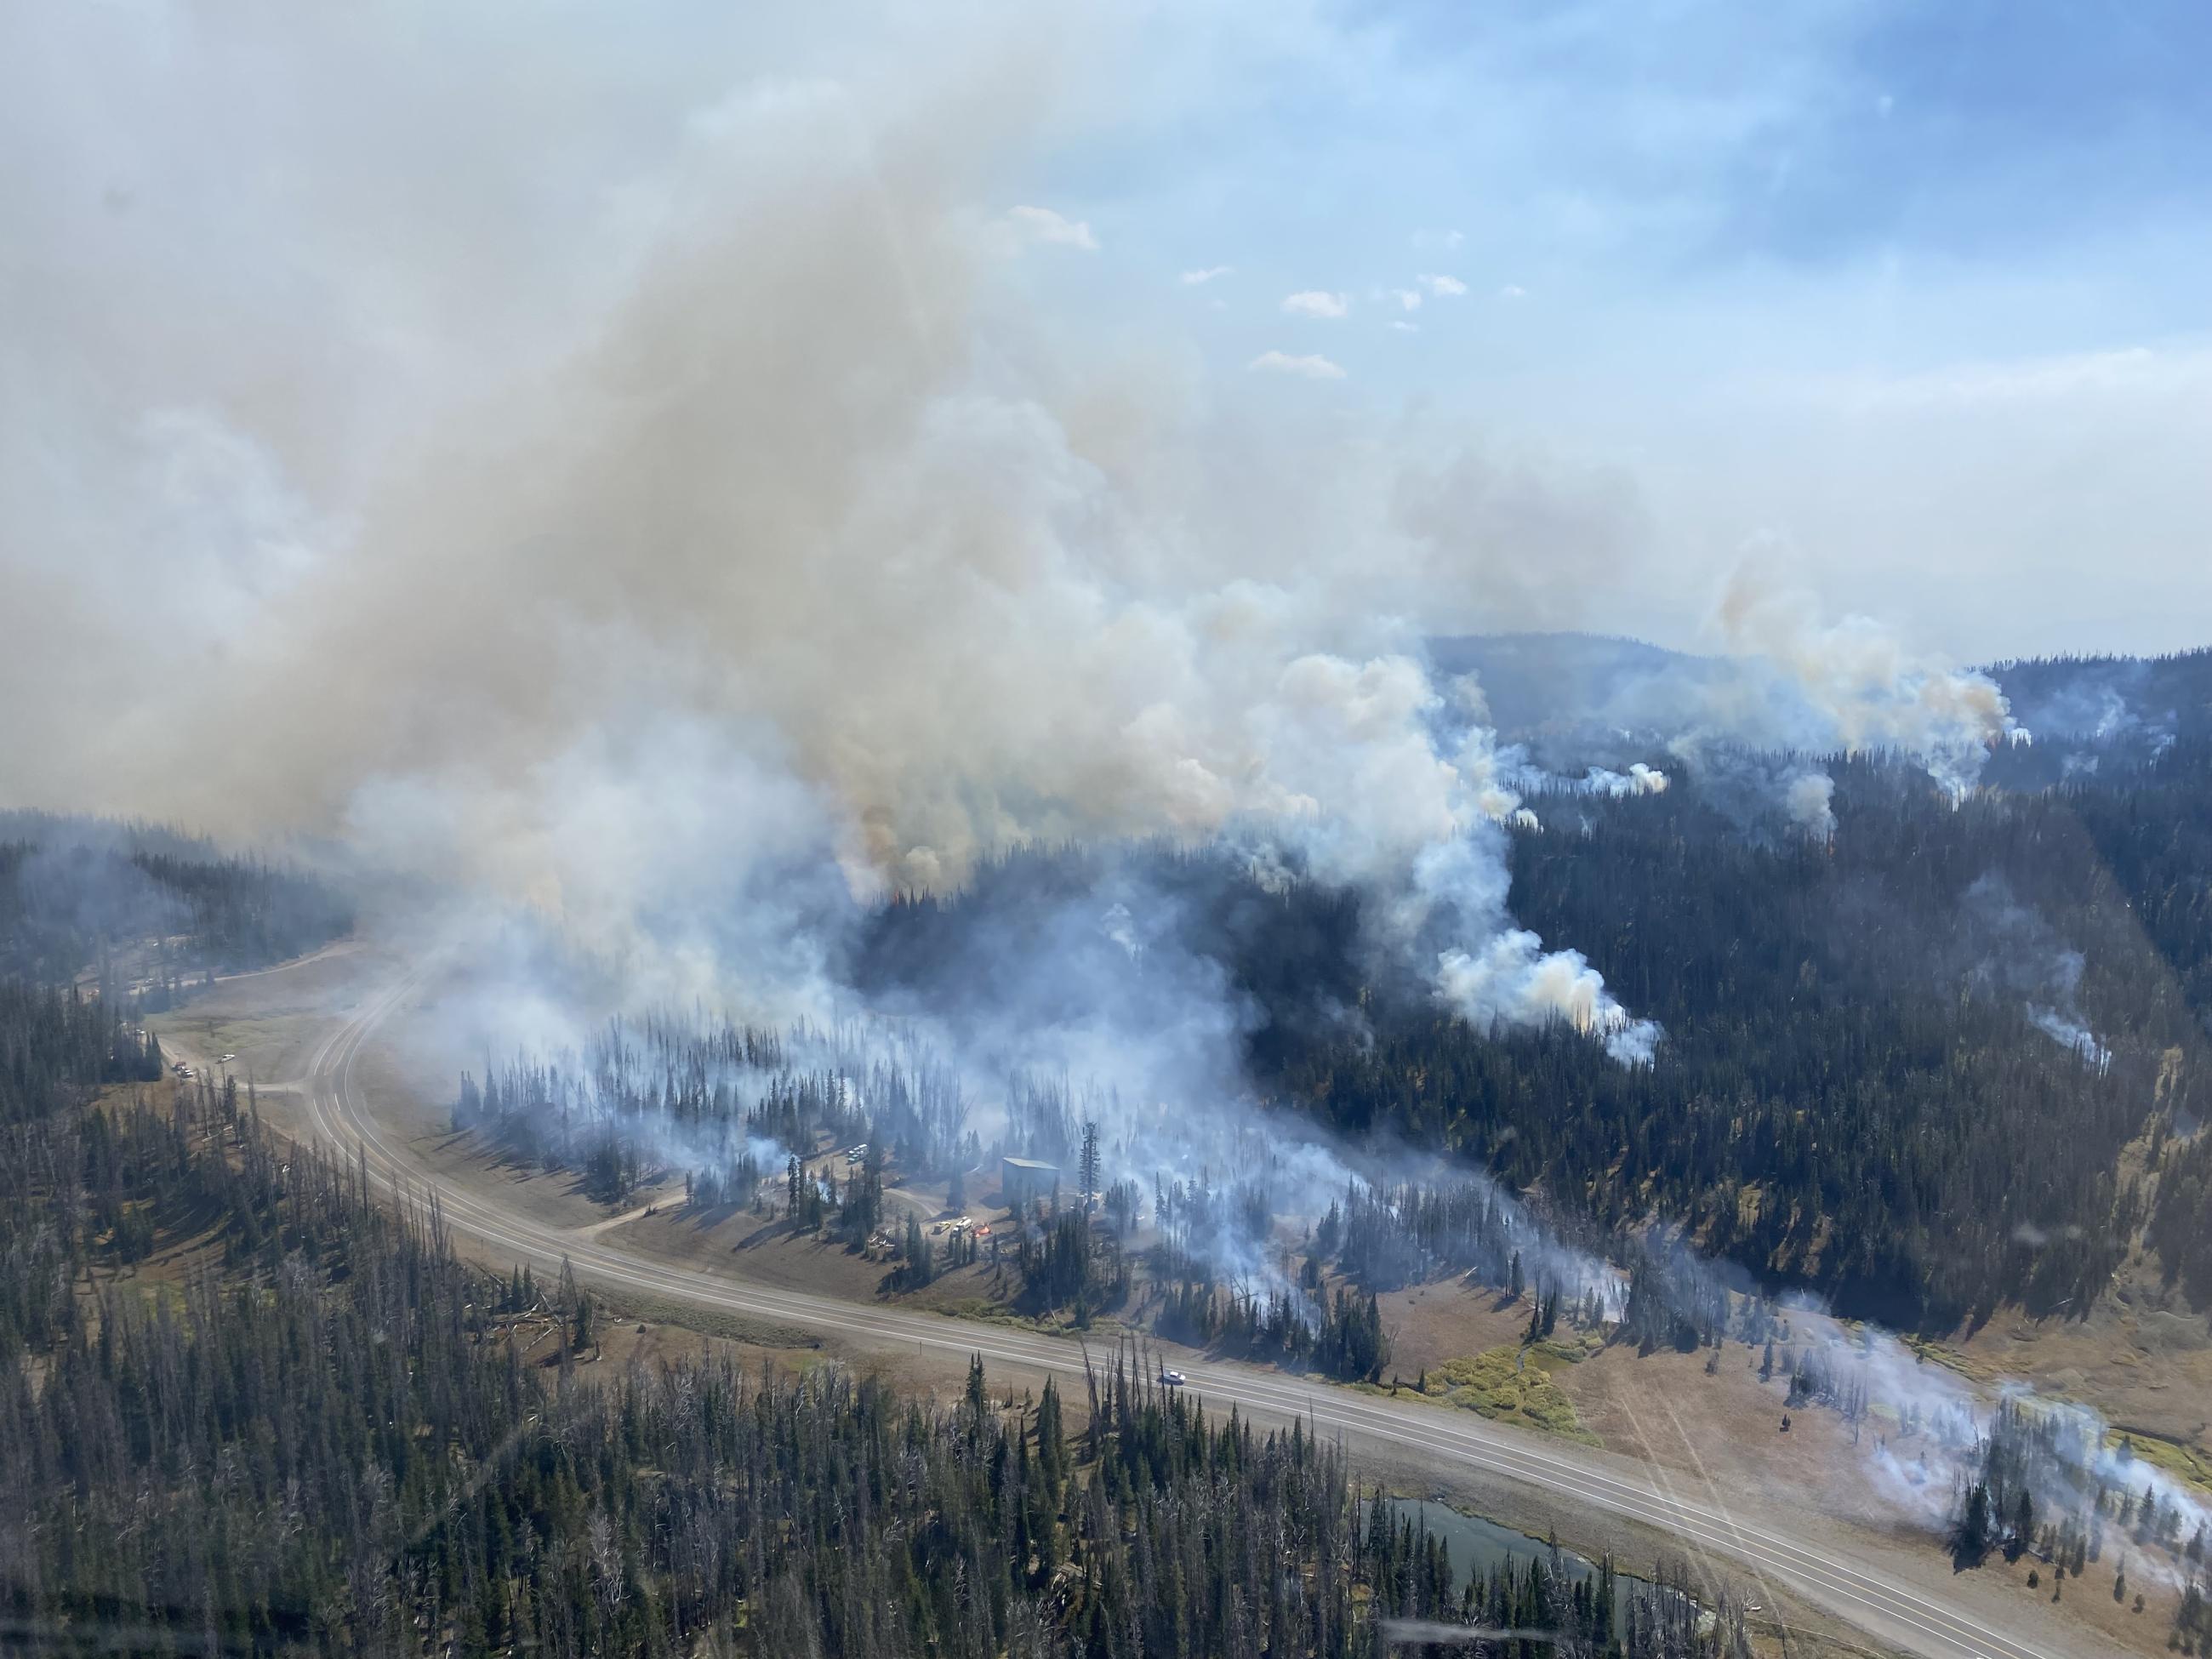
686	865
1639	780
2017	952
1751	786
1354	737
1116	925
1267	870
1852	684
1807	798
1490	777
1512	979
1472	703
2070	1034
1633	1042
1419	832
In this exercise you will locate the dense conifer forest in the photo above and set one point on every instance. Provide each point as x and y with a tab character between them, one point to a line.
1899	1064
1948	1057
145	908
322	1439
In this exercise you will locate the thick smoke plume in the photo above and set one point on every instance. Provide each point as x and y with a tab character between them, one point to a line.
759	546
1852	684
1795	684
630	475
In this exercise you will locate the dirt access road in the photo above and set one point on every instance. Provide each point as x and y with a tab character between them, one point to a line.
1896	1590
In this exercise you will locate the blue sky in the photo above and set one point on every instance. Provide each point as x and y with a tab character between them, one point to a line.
1641	152
1915	293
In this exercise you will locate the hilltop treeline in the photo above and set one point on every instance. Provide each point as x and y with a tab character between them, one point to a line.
1867	1083
2095	716
149	908
328	1444
1899	1065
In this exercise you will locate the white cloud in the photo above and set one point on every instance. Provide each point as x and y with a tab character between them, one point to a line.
1405	327
1194	278
1042	224
1513	291
1313	367
1409	299
1444	288
1426	240
1315	303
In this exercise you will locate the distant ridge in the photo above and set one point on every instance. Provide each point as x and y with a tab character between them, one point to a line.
1538	682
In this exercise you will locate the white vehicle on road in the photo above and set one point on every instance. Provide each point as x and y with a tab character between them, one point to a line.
1173	1379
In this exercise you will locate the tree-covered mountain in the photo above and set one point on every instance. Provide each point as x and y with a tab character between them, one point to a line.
1900	1066
147	906
2084	711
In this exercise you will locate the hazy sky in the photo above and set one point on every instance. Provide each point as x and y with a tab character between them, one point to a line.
1907	301
1919	293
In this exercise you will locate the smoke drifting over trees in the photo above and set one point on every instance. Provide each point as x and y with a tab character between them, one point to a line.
346	1449
145	910
659	509
761	551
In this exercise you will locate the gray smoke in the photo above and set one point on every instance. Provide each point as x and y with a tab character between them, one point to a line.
1795	684
621	476
683	516
2013	952
1852	684
1786	685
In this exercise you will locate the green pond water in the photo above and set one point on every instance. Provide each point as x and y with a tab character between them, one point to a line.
1477	1546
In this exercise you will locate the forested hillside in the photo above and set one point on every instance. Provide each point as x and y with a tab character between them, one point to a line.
147	908
2086	714
323	1441
1899	1065
2092	714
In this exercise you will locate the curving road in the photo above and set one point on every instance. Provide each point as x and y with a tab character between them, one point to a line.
1914	1616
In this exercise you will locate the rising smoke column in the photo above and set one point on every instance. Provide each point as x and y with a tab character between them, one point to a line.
619	472
1816	685
748	539
1793	685
2013	952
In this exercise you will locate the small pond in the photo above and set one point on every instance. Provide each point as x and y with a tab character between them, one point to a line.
1477	1546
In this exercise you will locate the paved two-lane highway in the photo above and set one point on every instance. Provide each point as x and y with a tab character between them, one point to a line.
1894	1603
